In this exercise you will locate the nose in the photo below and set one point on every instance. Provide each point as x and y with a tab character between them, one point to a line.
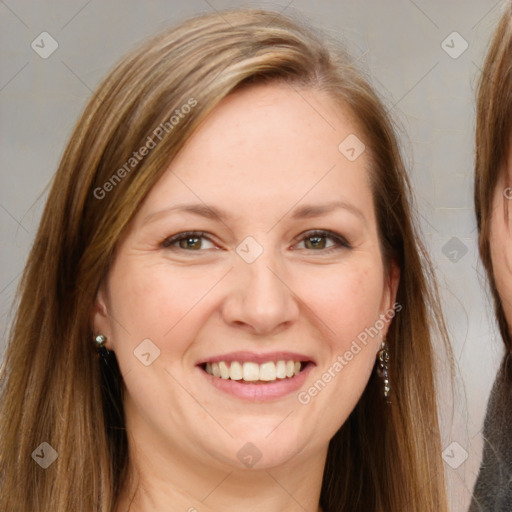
260	298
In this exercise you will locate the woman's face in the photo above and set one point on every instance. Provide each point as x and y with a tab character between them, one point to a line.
500	240
284	280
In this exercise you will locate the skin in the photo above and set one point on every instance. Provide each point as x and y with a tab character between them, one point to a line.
262	153
500	240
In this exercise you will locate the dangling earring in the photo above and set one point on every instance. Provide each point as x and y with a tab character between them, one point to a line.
99	342
383	369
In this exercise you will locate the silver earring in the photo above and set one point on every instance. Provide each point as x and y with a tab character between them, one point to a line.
383	368
99	341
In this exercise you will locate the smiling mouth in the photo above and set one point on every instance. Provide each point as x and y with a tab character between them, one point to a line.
253	373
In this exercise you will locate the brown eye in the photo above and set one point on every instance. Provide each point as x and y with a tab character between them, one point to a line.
318	240
315	242
188	241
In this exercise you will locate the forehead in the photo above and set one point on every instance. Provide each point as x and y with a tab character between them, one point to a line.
273	121
270	145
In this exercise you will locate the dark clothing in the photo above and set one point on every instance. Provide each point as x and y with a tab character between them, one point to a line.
493	488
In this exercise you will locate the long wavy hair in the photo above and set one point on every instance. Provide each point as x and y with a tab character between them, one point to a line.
492	142
386	457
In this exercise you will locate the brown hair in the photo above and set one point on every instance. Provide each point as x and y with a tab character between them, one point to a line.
493	130
385	457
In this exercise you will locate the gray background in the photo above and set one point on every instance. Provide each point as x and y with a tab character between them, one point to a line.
429	91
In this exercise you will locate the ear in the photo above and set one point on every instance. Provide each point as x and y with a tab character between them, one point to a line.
388	309
100	320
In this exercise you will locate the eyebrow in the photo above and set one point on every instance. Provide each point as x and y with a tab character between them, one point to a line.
212	212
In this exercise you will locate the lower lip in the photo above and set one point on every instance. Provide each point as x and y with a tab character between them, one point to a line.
259	392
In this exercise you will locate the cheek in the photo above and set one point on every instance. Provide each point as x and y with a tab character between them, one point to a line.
347	300
348	303
152	302
501	255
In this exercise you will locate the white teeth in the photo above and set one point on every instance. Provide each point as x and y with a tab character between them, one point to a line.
224	371
281	369
252	372
268	371
235	371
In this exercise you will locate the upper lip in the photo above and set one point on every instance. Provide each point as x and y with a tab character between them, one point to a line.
254	357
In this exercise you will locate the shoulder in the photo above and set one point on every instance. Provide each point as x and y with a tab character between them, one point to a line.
493	488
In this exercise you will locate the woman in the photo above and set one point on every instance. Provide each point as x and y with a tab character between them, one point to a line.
230	227
493	488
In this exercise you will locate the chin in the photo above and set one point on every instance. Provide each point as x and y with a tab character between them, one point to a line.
259	447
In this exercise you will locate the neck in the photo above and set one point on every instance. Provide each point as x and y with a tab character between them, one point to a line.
162	479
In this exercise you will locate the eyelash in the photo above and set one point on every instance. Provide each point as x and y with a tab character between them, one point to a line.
340	242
